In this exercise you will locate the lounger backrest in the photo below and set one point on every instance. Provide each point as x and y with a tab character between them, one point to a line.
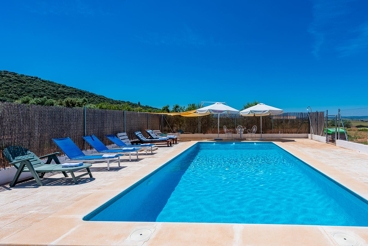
116	140
152	134
124	138
95	143
15	153
11	152
68	147
140	136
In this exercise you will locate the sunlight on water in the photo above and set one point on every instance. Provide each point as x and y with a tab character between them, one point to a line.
237	183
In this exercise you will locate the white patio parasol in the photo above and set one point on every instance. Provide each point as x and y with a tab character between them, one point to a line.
261	110
217	108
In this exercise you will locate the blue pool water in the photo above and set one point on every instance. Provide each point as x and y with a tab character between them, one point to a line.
257	183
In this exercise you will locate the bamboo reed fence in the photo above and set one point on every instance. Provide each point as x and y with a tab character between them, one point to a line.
33	126
284	123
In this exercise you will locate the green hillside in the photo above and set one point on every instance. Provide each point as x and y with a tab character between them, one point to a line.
21	88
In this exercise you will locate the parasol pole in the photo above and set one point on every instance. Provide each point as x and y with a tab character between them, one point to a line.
261	127
218	125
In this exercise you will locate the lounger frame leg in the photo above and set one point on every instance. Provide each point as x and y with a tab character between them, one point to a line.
24	164
89	172
17	174
73	177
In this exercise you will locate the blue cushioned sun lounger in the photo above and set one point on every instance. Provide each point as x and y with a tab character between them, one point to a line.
74	153
101	148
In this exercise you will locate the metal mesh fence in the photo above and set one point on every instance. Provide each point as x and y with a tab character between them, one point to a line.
355	122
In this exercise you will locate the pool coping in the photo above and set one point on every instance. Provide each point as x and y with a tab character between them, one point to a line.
72	230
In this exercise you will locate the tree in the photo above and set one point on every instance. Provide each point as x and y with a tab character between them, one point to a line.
176	108
347	123
70	102
25	99
192	106
250	104
38	101
165	109
50	102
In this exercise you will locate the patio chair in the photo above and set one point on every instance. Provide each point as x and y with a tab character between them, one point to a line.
253	130
26	161
101	148
143	139
228	132
239	130
123	140
153	135
74	153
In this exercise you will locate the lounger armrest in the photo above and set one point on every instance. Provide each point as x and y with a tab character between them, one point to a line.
50	157
44	156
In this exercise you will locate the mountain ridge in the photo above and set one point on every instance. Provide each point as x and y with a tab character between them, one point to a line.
22	88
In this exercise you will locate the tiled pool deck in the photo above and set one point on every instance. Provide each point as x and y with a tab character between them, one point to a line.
52	214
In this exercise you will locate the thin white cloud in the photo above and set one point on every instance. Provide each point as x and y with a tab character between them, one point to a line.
331	27
357	44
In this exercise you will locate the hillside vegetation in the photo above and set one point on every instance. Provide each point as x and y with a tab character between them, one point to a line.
21	88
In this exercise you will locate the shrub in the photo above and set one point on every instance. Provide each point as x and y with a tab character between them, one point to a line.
363	129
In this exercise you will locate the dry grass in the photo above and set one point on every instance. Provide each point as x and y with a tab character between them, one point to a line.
358	135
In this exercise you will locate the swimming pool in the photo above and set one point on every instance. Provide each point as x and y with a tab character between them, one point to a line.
254	183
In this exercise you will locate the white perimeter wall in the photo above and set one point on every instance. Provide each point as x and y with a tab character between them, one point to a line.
362	148
318	138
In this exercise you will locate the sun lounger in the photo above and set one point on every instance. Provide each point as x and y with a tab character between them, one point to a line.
153	135
74	153
126	142
26	161
101	148
143	139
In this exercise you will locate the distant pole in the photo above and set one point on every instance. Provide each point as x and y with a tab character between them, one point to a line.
218	125
339	121
309	109
261	127
335	128
326	124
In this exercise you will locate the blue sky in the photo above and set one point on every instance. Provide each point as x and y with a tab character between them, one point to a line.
286	53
